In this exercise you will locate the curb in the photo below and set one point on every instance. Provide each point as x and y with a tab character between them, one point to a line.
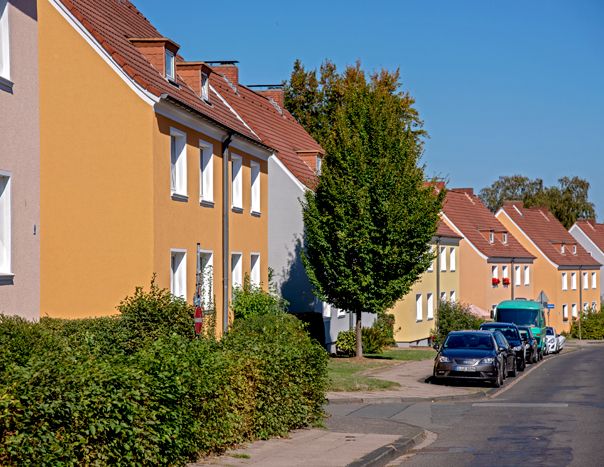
389	452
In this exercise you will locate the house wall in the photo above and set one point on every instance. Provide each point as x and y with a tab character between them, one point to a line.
20	159
586	243
96	229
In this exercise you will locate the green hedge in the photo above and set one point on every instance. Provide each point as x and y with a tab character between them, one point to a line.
592	325
117	391
455	316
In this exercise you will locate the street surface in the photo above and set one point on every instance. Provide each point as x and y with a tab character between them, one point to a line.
552	417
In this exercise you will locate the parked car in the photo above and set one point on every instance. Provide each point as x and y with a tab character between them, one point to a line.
551	341
561	340
533	353
472	355
512	334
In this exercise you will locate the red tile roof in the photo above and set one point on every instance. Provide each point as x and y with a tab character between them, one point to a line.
275	126
475	221
112	23
548	234
443	230
594	231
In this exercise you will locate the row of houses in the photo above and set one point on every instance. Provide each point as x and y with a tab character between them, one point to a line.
121	159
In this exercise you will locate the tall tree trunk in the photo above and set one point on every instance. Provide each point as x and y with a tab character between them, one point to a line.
359	334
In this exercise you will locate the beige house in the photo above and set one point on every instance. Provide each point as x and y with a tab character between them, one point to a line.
415	316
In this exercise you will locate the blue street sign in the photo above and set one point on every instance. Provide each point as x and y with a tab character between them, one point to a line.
550	306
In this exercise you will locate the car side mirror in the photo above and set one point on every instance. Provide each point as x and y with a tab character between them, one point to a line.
435	346
501	349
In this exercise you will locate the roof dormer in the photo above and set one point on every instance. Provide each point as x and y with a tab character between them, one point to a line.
159	52
313	159
197	77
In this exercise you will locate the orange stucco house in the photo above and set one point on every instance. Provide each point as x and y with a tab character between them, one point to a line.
564	270
494	266
145	167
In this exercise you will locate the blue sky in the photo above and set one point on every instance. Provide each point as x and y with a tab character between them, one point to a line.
514	87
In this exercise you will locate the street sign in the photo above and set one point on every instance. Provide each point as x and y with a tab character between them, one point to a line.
549	306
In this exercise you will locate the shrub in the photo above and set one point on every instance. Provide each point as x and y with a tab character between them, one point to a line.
252	300
455	316
592	325
346	343
375	338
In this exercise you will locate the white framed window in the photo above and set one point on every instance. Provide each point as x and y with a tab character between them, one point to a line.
585	281
585	306
236	182
491	237
178	272
205	87
5	223
178	163
574	249
452	296
206	172
430	305
593	306
443	258
326	310
255	187
565	312
527	275
431	267
574	308
573	280
206	261
419	311
594	280
452	259
505	272
170	74
319	164
517	275
494	272
236	270
443	297
505	237
563	249
4	41
255	269
564	281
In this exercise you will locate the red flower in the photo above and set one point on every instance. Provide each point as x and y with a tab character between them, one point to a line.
495	281
506	281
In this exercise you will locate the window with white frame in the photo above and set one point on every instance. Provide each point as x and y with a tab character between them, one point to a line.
236	182
170	74
452	259
527	275
593	306
431	267
319	164
585	280
255	269
255	187
574	308
505	272
206	172
517	275
452	296
564	281
178	163
4	41
585	306
494	272
178	273
236	270
326	310
430	306
505	237
594	280
565	312
206	259
419	311
491	237
205	87
5	223
443	258
443	297
573	280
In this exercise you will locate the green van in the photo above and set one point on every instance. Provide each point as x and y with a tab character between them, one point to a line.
524	313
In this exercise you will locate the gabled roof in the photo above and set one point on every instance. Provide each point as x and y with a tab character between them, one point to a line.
472	218
593	230
112	23
443	230
548	233
275	126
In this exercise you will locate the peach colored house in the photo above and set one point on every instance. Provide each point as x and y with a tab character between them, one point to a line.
494	265
590	236
564	270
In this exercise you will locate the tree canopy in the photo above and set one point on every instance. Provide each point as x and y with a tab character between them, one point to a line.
369	222
568	201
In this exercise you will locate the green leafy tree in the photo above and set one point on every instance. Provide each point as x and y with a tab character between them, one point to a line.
511	188
370	220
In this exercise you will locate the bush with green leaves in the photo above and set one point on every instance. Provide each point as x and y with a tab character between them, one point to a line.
455	316
252	300
592	325
375	338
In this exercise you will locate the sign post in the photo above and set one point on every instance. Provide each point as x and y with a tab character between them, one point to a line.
198	318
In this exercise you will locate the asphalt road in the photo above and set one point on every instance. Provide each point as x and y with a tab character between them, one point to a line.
552	417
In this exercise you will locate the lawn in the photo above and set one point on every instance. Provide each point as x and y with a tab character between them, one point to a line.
348	374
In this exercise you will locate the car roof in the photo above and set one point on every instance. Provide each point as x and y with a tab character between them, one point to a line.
496	324
471	331
520	305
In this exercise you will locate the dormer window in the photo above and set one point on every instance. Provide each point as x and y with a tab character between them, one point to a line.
319	163
205	87
491	237
170	73
505	238
562	249
574	249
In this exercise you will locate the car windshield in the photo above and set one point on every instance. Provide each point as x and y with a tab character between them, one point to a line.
524	334
549	332
509	333
469	341
529	317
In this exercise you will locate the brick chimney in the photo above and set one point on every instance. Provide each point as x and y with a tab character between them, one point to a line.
154	50
193	73
275	94
467	191
228	69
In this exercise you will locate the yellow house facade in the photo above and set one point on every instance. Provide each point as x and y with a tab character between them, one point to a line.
145	169
416	315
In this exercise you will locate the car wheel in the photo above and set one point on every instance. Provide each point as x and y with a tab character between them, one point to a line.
499	381
513	372
534	357
541	355
522	365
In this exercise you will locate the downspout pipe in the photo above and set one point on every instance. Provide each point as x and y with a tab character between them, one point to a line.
438	303
580	307
513	274
225	232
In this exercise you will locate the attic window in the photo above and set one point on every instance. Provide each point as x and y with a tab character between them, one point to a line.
205	87
319	163
170	74
574	249
491	237
505	237
562	249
